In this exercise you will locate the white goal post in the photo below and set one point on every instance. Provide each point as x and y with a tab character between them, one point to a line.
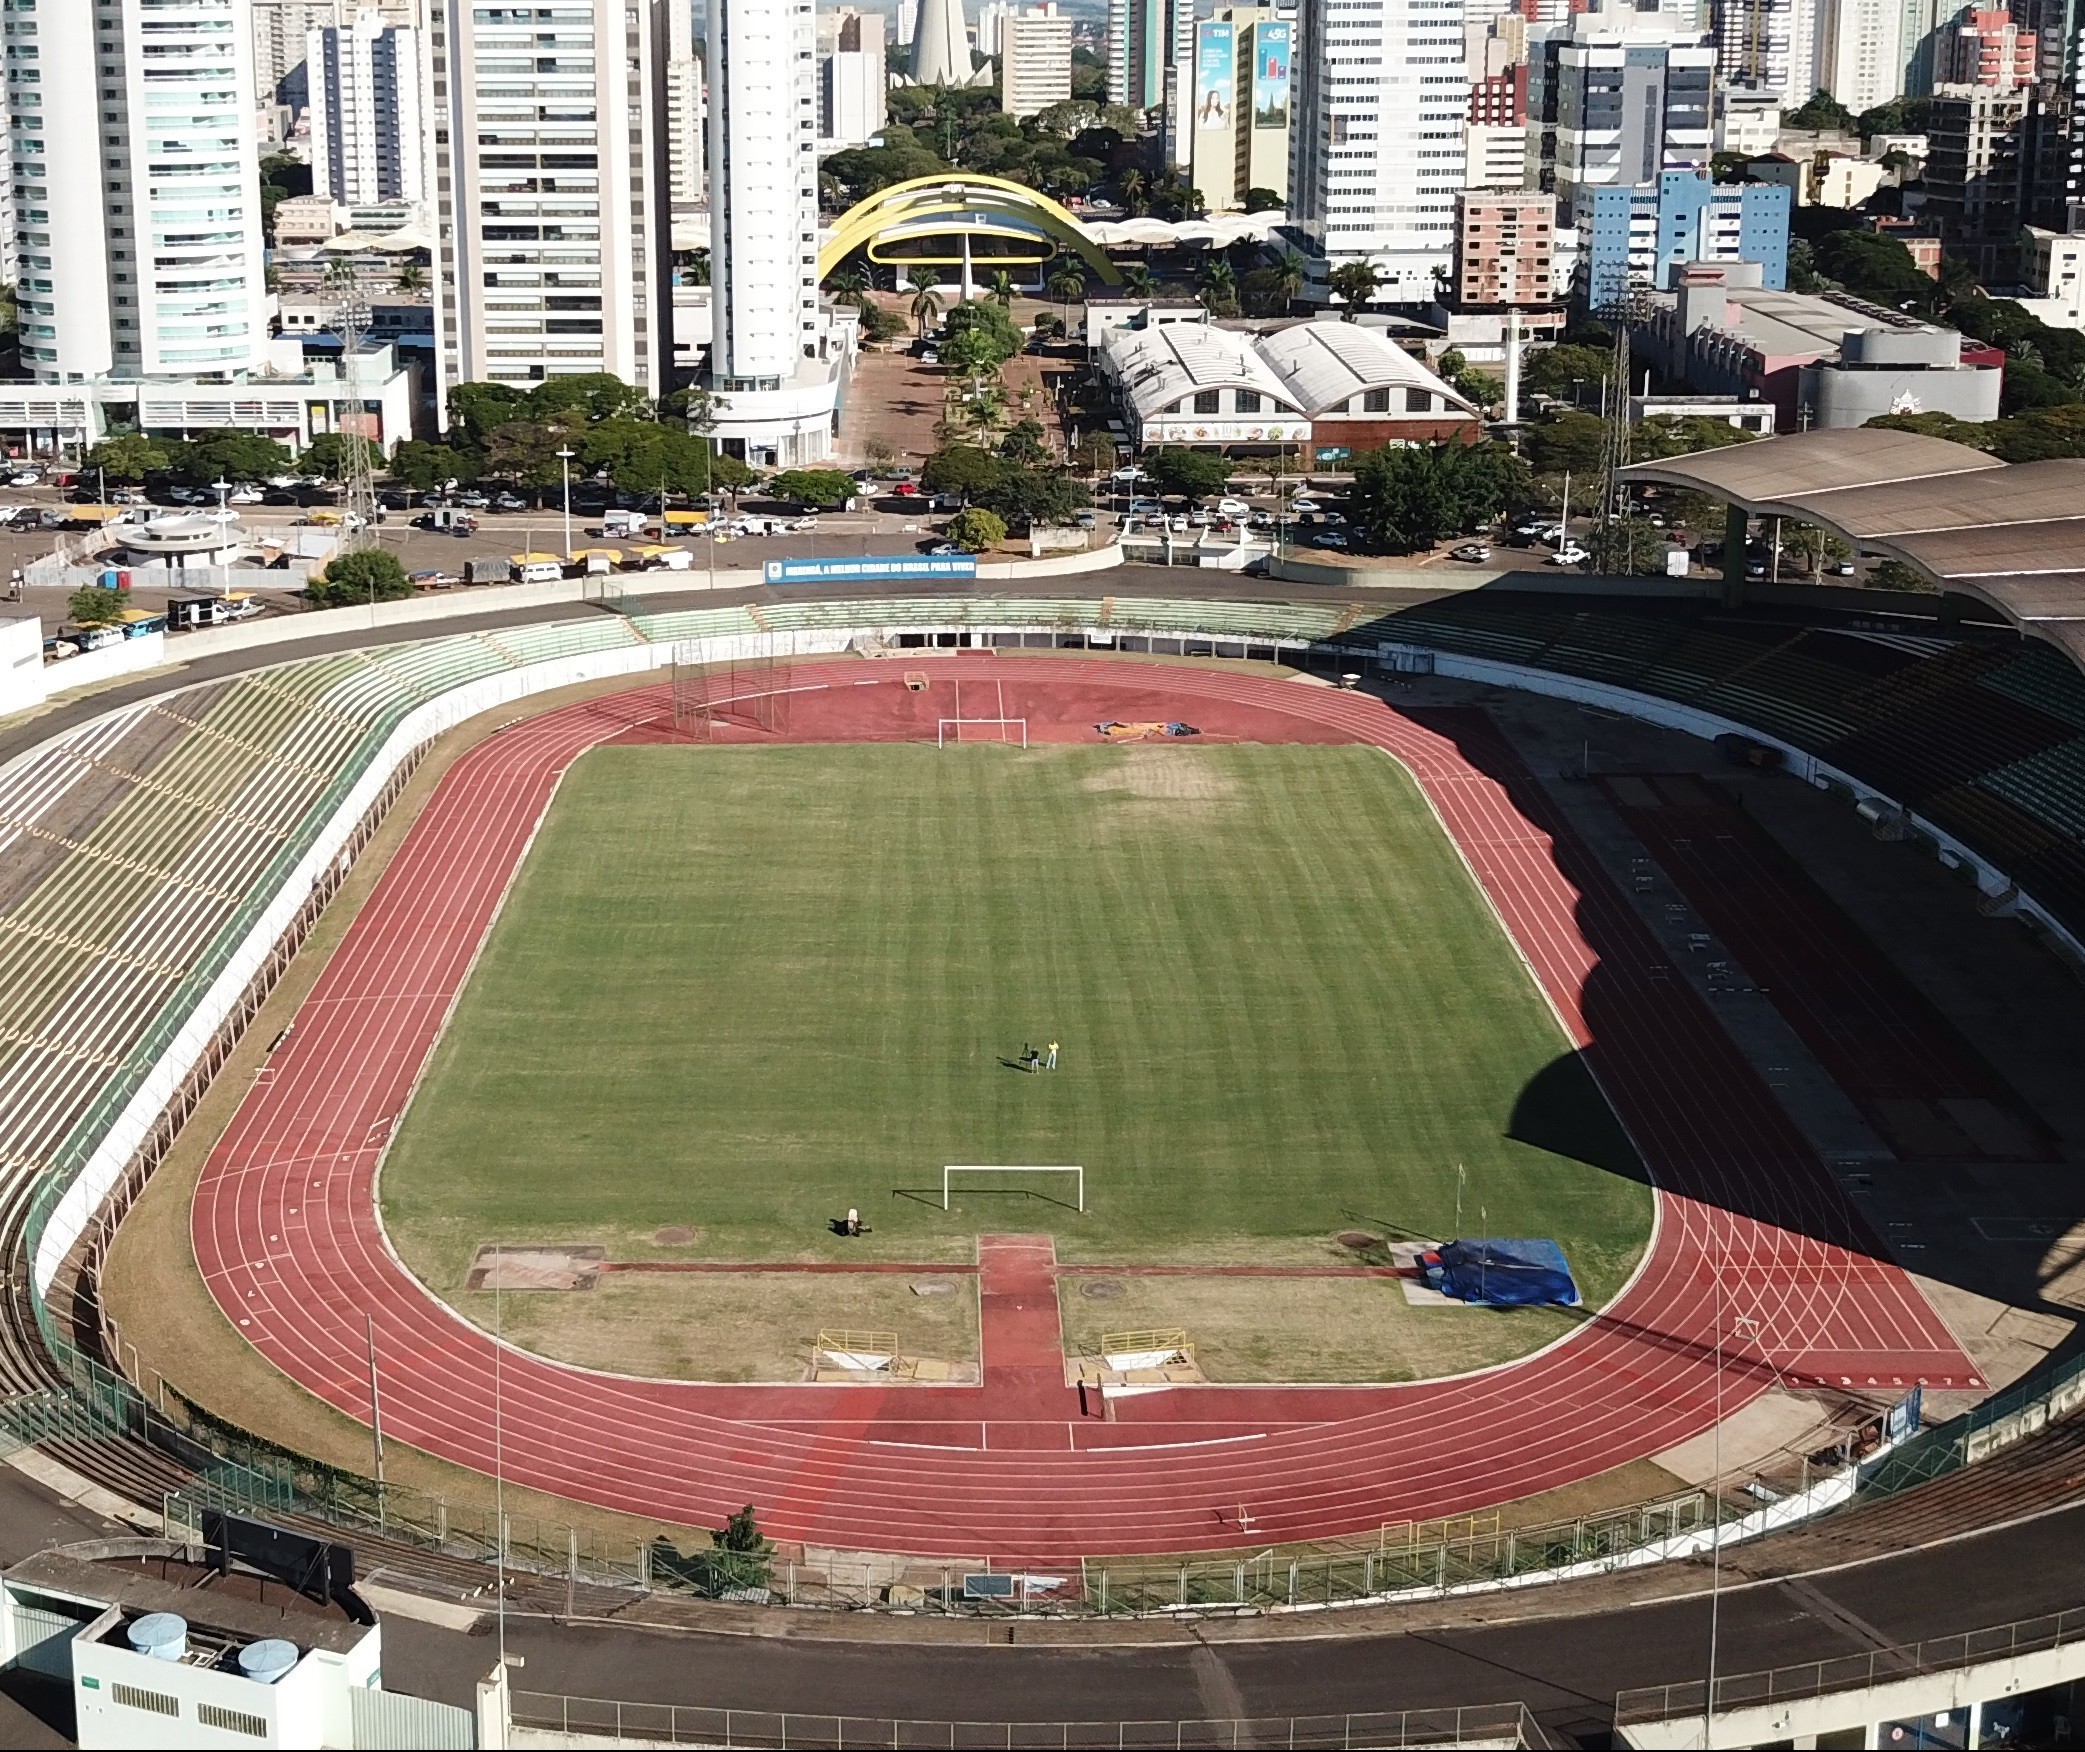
998	1168
1003	725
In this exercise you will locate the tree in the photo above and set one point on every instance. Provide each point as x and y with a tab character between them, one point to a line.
425	467
1023	444
962	469
642	457
1030	496
1260	293
1555	370
1187	474
328	454
412	278
476	408
525	453
230	455
1218	287
1263	201
128	458
1067	286
1136	280
878	451
1896	575
1354	284
1653	440
1411	496
825	488
1864	262
94	606
975	530
1571	441
367	575
593	395
1000	284
1823	113
1628	547
926	302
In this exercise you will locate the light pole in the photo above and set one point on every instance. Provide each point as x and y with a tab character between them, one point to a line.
564	469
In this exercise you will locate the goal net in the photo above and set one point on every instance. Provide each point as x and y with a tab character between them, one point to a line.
1078	1174
985	720
737	693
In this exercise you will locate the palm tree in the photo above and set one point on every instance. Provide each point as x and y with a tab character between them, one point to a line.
1219	286
1136	280
850	281
1001	287
1068	286
1354	284
1131	183
412	278
1294	273
926	302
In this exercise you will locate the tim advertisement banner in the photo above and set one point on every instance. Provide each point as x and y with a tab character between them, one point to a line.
1270	75
1216	75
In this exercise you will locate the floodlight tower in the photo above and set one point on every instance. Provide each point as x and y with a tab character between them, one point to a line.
357	476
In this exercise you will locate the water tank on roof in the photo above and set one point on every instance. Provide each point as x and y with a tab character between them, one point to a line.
267	1660
163	1636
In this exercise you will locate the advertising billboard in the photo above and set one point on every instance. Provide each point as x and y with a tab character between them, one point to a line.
1270	74
1216	75
870	569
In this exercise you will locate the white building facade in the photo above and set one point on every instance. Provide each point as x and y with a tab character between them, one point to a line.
1860	51
775	362
687	122
366	135
1377	156
546	138
137	215
853	83
1034	59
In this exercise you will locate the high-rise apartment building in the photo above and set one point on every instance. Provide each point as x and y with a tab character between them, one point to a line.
1505	251
1635	238
1137	45
367	143
1376	160
1979	170
686	123
1238	130
852	81
281	31
1986	48
546	140
1616	108
137	214
1768	46
1861	53
774	369
1034	59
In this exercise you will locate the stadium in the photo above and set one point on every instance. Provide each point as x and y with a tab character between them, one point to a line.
1103	1103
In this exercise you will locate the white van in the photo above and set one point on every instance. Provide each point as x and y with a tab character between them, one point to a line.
540	572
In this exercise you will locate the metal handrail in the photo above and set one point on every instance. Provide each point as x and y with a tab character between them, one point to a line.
688	1724
1945	1654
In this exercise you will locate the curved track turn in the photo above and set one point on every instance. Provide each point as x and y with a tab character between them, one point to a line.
1754	1241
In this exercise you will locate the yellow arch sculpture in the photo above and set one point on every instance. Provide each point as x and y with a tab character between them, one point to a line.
989	206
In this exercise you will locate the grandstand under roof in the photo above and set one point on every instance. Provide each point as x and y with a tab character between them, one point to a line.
2010	535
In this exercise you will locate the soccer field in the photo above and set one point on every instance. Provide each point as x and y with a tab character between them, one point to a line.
739	990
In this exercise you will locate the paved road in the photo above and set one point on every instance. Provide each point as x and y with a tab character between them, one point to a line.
1565	1655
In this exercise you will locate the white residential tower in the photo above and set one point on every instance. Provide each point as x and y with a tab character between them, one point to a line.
366	136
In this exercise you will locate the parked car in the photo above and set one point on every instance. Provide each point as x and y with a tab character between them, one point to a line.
1233	507
1141	507
27	477
1086	520
942	549
1842	568
1473	553
1127	477
245	496
1570	554
510	502
433	580
1304	504
474	501
1330	538
906	489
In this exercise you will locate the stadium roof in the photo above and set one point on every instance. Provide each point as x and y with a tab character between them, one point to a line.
2009	535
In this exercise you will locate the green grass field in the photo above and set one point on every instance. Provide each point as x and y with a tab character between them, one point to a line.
740	990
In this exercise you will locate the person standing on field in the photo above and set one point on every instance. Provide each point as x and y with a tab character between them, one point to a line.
1053	1055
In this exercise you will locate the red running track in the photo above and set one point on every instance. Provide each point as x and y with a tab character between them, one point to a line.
288	1237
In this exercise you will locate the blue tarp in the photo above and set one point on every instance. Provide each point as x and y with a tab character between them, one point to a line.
1501	1273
